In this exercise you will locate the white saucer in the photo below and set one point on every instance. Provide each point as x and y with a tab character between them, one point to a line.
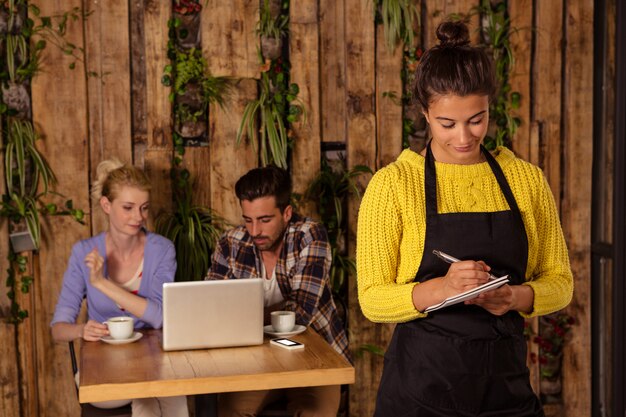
108	339
296	330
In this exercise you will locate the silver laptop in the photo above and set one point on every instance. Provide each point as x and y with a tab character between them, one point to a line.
209	314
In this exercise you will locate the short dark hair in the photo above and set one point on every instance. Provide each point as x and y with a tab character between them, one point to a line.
454	67
264	182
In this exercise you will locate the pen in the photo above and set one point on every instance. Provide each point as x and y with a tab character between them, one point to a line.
451	259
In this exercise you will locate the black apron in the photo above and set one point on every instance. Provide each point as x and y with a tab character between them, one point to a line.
462	360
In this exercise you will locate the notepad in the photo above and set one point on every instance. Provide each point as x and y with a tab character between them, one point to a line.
468	295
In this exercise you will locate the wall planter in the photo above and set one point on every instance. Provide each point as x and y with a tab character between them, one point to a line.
188	31
21	238
271	28
271	48
15	96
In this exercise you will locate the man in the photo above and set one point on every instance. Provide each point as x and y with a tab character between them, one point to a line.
292	254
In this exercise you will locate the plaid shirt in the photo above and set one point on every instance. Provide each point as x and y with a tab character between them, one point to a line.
301	271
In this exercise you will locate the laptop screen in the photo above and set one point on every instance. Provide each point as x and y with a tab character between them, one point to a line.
208	314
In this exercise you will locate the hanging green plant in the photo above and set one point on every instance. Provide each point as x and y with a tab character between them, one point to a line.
272	28
398	18
193	89
25	170
277	105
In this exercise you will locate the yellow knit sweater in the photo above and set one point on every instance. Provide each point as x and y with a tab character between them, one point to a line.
392	225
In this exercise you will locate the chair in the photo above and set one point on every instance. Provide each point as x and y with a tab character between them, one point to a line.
88	410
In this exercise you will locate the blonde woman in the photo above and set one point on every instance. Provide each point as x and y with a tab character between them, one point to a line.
120	271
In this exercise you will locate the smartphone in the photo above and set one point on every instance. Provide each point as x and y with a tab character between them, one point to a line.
286	343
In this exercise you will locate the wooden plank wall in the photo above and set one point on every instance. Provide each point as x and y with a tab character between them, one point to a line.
60	106
9	390
108	93
361	149
576	199
237	59
340	61
304	31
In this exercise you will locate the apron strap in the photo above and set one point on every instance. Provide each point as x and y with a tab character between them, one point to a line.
430	182
504	185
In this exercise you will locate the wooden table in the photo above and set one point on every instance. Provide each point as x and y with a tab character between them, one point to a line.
142	369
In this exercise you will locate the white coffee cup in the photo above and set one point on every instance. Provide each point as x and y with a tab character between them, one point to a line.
120	328
283	321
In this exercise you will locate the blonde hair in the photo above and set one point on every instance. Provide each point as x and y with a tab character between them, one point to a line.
113	174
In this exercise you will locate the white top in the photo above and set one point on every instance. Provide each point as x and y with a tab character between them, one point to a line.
271	288
133	284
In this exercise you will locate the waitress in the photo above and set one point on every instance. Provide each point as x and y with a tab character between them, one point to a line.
497	214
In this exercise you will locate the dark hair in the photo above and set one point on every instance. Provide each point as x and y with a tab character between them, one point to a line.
264	182
454	67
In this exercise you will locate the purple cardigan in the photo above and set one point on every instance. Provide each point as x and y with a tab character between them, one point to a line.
159	266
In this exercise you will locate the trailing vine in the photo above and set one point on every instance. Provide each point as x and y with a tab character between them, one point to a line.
24	34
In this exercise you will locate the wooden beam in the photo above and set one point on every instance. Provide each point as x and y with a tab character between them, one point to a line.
197	160
138	83
229	42
361	149
546	92
59	101
576	212
304	58
520	35
520	13
108	92
332	62
158	154
229	162
388	100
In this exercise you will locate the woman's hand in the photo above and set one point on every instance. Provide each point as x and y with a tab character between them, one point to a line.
463	276
92	331
95	263
506	298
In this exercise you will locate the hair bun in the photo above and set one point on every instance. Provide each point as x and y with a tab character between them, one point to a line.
453	34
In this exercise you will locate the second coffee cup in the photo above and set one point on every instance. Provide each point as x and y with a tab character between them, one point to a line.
120	328
283	321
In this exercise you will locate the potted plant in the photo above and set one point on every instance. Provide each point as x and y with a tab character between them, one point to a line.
25	169
187	23
193	229
193	89
553	332
271	28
